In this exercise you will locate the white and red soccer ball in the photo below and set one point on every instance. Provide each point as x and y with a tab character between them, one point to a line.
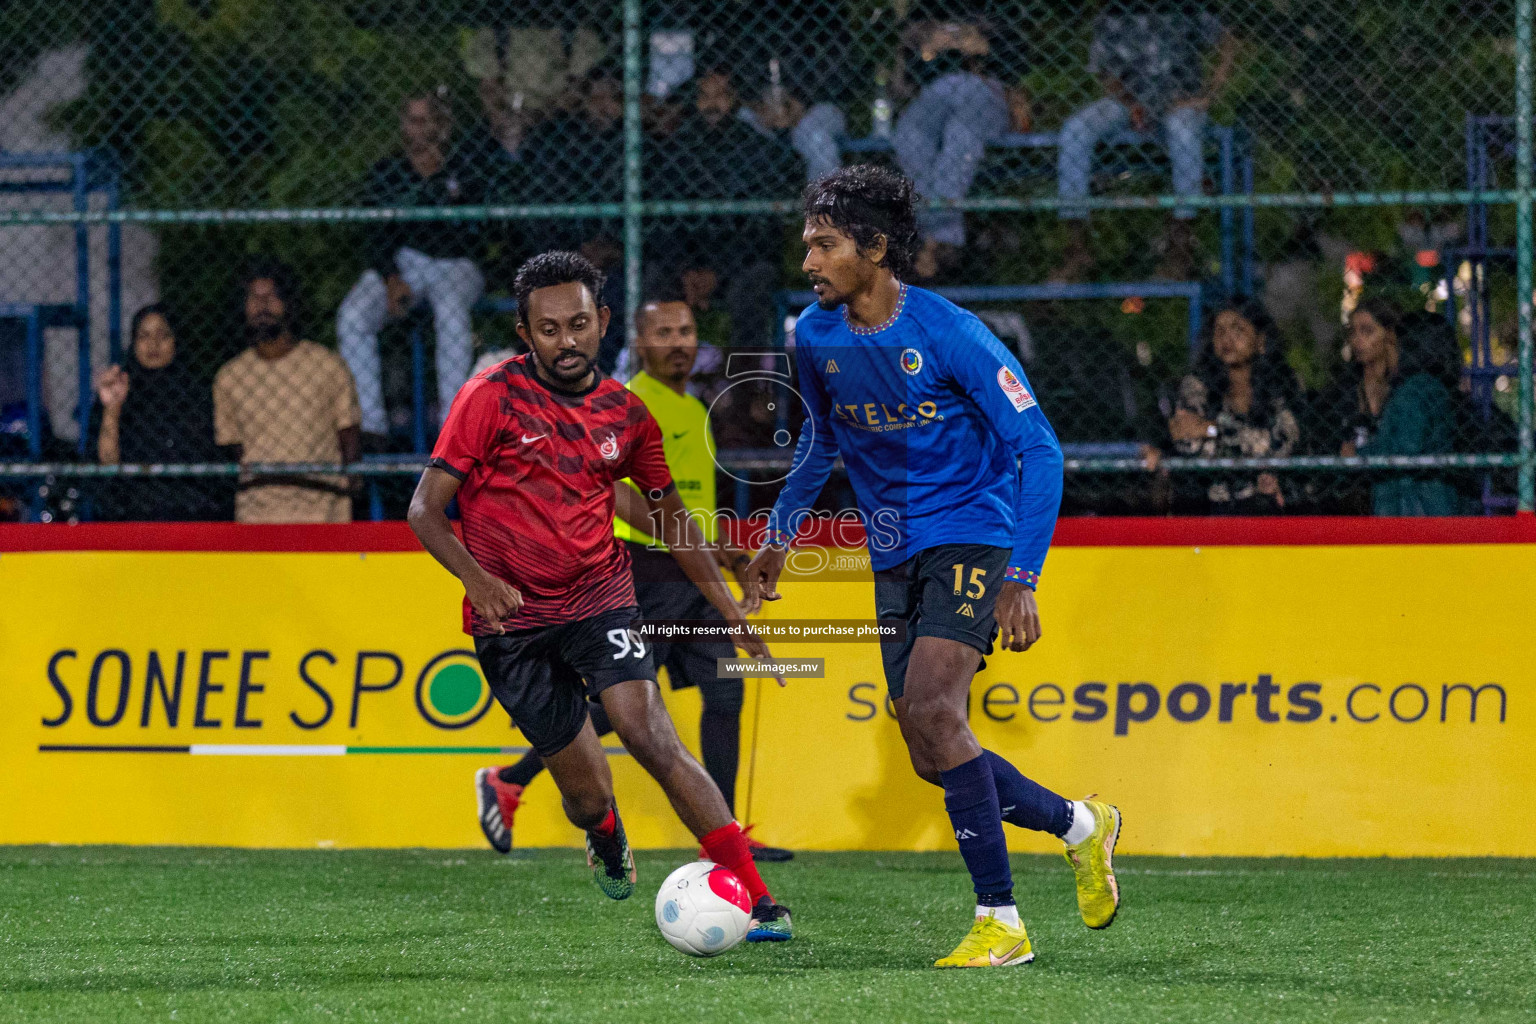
703	909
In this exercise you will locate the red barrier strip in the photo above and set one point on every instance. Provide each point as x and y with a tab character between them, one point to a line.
207	537
1084	532
1301	530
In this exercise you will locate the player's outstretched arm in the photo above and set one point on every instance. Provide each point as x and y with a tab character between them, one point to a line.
696	557
632	507
764	571
736	560
493	599
815	454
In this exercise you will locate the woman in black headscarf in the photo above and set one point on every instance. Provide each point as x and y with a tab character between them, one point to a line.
154	409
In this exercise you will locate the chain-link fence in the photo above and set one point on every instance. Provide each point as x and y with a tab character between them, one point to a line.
1256	255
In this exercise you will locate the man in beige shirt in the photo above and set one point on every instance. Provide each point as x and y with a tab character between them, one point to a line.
286	400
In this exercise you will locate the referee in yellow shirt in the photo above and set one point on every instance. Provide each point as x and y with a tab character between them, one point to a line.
667	345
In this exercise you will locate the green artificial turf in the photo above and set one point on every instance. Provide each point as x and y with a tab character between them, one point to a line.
119	934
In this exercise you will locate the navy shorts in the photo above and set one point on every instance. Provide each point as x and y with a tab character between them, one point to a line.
948	591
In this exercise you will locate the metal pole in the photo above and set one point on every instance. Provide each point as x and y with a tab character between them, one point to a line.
114	279
632	140
35	383
82	305
1227	217
419	392
1523	242
757	714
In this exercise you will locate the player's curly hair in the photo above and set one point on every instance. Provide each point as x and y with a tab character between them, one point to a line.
556	267
866	202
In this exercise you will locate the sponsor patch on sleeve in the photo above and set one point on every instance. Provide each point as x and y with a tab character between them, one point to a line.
1014	389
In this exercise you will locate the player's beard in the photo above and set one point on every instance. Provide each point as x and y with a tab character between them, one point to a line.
829	298
570	375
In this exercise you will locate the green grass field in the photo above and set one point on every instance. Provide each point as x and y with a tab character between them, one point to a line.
105	934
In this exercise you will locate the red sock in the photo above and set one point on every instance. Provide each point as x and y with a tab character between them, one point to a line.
727	846
606	827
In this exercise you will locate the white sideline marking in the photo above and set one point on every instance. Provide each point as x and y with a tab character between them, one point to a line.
266	750
1311	872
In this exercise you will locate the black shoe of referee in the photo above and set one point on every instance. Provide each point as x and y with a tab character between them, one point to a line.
765	853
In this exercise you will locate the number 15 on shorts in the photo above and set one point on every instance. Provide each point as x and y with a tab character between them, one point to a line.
975	583
627	642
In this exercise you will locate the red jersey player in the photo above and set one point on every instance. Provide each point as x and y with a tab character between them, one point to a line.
532	449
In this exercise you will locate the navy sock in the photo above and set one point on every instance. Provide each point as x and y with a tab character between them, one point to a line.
1026	803
970	797
524	772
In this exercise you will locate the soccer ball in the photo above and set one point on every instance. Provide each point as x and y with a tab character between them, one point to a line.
703	909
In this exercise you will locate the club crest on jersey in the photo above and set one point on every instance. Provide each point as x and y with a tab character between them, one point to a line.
1014	389
911	361
609	449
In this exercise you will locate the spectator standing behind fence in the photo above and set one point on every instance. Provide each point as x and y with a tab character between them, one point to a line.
285	400
713	154
579	158
1400	398
1150	57
412	261
152	408
964	60
1238	402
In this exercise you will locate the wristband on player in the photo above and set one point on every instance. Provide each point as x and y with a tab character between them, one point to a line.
778	539
1024	576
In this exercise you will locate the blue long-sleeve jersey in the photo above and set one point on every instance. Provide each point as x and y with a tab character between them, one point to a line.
939	431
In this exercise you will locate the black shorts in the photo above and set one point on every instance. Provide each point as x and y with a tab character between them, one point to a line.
948	591
666	594
543	676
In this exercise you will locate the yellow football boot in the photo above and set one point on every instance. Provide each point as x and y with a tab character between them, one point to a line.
990	944
1093	861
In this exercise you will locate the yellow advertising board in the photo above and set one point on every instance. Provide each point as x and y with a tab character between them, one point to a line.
1314	699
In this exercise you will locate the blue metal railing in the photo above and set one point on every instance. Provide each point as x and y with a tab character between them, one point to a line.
79	175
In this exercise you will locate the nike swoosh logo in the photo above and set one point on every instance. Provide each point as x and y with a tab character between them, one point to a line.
530	440
998	961
683	434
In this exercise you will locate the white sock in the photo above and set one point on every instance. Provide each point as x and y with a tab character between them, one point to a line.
1082	824
1009	915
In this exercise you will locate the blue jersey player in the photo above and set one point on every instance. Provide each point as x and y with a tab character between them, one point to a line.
958	478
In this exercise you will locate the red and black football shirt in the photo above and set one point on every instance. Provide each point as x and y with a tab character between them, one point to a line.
536	507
